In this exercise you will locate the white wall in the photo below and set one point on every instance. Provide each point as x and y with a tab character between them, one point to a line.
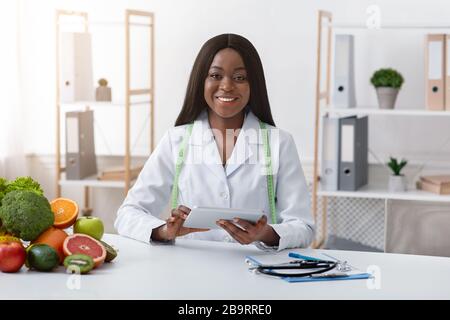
284	32
12	129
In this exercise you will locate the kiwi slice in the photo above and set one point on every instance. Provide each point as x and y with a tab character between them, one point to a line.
81	262
111	253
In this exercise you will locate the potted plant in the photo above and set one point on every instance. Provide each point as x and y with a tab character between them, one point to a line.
103	92
387	83
397	181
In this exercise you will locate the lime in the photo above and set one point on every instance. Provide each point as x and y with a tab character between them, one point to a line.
27	264
42	257
111	253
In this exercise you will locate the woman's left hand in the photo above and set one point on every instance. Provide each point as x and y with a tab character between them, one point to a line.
260	231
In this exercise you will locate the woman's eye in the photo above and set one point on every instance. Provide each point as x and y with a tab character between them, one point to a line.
215	76
240	78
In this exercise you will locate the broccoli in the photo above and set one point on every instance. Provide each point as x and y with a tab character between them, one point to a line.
25	214
24	183
3	185
2	229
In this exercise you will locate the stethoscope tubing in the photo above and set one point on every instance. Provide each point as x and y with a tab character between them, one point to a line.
324	265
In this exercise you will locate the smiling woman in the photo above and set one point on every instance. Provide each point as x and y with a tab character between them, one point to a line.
240	57
224	152
227	93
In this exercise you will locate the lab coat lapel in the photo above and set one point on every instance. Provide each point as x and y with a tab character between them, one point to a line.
246	145
204	146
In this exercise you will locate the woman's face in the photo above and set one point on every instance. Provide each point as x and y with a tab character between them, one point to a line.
227	90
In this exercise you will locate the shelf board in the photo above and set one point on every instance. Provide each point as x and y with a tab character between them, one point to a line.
389	26
390	112
377	192
101	104
105	23
92	181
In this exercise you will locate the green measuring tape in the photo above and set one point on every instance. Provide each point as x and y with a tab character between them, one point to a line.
179	165
267	165
269	172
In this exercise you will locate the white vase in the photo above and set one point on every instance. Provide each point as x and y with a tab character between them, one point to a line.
386	97
103	93
397	183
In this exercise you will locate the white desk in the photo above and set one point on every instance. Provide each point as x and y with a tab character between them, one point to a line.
213	270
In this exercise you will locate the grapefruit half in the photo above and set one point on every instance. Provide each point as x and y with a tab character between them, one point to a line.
79	243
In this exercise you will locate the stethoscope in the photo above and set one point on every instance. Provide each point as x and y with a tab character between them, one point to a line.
319	266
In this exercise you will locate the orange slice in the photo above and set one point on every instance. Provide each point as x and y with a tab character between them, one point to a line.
65	211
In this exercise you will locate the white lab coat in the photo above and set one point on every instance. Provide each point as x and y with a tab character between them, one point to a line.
205	182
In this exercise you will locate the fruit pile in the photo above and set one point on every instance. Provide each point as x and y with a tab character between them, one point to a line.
27	216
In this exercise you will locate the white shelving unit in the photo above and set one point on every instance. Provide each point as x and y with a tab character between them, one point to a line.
370	191
361	111
92	181
121	104
146	98
405	26
381	192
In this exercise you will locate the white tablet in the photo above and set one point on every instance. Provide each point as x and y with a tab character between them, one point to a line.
206	217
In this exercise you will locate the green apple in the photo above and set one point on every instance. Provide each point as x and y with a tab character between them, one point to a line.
92	226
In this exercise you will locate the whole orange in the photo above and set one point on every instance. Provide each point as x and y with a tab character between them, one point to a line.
53	237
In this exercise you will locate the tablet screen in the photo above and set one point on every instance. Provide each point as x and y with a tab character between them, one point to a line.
206	217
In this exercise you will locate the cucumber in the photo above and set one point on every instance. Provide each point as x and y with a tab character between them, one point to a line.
111	253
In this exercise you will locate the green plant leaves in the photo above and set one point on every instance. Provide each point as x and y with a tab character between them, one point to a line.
396	166
387	78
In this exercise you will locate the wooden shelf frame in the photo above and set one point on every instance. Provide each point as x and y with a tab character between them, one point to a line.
320	96
129	92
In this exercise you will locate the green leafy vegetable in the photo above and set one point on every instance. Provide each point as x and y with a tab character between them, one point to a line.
24	183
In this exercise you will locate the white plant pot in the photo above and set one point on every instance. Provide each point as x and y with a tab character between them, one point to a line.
103	93
397	183
386	97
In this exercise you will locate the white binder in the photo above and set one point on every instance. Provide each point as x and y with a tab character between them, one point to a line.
344	78
76	79
330	154
447	72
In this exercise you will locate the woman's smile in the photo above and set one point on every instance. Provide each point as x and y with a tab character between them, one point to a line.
227	100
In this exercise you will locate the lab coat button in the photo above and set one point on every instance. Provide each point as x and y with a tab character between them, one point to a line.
224	195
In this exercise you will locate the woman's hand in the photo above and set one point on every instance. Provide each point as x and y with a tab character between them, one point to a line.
260	231
174	226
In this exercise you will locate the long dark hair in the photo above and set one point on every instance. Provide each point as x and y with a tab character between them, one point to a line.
194	101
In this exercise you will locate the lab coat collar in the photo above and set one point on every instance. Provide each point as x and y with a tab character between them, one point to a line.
249	137
202	133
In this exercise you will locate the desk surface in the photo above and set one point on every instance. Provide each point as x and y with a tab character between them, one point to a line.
194	269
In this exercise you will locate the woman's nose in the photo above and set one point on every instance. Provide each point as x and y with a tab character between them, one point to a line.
226	84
